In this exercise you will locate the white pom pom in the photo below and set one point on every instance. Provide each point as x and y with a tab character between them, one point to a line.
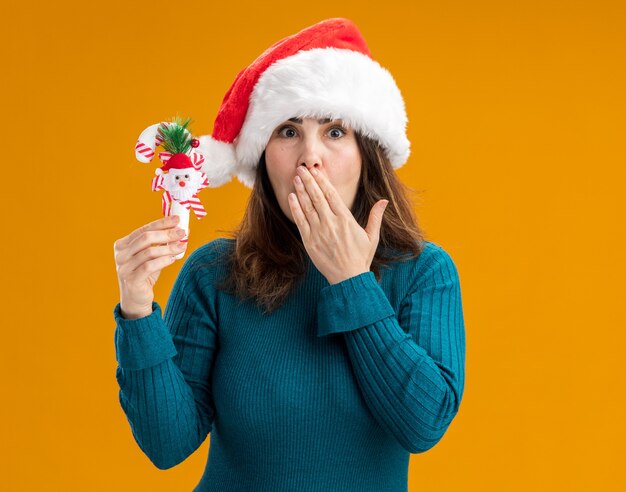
220	163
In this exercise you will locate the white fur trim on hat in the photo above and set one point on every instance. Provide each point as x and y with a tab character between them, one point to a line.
318	83
219	160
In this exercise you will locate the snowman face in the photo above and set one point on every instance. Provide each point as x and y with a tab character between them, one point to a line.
182	183
181	178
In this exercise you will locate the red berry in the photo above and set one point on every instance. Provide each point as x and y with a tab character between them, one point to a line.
195	142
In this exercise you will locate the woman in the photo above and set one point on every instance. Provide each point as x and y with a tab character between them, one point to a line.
311	368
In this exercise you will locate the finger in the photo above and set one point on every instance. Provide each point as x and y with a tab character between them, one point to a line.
316	196
145	262
306	205
335	202
149	238
167	252
375	220
159	224
298	216
145	269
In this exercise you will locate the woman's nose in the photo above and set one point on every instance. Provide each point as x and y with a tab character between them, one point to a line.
311	155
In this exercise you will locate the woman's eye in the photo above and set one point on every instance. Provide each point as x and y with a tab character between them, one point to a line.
287	131
337	132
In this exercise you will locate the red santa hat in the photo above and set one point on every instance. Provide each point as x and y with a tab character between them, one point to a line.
325	70
177	161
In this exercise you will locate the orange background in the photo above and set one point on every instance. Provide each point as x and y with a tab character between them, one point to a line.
517	118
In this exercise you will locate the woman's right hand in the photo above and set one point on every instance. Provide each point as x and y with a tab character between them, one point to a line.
139	259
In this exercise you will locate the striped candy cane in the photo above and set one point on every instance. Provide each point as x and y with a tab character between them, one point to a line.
145	149
147	142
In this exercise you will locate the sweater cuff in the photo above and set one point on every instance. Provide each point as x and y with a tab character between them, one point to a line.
356	302
143	342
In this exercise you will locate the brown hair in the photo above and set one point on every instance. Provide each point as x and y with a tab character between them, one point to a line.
269	257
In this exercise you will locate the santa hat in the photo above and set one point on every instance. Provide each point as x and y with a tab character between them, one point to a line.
177	161
325	70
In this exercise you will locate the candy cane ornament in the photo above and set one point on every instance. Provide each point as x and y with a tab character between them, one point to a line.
180	177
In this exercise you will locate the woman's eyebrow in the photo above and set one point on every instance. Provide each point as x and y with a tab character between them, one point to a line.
323	121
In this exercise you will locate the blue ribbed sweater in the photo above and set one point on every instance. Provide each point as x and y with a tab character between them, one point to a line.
331	392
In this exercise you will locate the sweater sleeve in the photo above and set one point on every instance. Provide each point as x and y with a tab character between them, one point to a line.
410	366
163	371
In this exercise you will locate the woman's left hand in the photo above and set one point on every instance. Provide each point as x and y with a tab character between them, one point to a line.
338	246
